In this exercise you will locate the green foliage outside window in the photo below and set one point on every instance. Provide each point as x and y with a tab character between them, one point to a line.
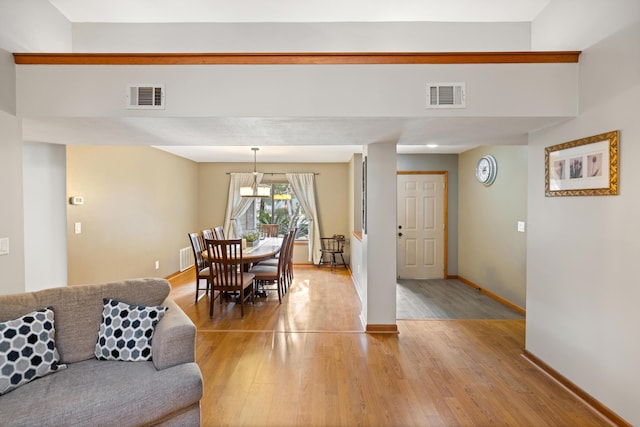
283	209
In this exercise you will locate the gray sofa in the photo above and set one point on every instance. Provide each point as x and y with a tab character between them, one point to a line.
90	392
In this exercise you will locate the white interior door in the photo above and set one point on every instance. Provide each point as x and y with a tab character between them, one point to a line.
421	226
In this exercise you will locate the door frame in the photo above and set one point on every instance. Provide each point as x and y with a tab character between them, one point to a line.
445	208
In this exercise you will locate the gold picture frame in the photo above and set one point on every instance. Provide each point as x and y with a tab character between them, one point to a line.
584	167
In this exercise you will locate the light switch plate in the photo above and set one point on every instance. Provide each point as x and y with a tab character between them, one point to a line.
521	226
78	227
4	246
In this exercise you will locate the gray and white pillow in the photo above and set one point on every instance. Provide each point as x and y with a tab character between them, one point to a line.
126	331
28	349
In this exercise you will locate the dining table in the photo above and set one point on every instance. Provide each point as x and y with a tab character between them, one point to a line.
262	249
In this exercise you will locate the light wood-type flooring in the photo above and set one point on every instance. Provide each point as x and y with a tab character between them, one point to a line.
308	362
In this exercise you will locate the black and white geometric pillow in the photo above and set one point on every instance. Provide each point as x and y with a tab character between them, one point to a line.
126	331
27	349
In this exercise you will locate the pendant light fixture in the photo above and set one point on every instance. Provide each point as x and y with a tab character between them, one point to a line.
255	190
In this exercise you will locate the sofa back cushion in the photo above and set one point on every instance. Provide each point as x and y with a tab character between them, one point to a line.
78	310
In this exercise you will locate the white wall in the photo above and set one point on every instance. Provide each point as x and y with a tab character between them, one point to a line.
582	285
26	26
45	215
578	24
307	37
285	90
33	26
11	223
379	244
11	211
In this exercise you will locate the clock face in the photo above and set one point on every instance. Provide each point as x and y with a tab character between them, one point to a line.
486	170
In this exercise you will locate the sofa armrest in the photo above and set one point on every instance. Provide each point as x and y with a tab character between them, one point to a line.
174	339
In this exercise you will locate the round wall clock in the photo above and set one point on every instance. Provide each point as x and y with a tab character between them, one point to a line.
486	170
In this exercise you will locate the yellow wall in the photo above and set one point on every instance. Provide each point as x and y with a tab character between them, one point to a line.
139	204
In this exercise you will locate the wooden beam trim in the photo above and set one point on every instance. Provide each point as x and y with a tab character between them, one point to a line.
586	397
323	58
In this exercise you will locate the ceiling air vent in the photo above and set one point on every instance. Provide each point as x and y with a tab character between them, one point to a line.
145	97
445	95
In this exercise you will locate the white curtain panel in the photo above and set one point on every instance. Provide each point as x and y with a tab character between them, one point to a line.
303	185
236	204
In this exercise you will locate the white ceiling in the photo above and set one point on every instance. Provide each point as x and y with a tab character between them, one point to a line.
299	10
282	138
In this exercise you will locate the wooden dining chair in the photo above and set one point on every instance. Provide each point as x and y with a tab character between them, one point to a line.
226	273
207	233
218	232
201	265
269	230
289	261
265	273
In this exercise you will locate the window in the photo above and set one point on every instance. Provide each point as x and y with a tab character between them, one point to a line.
281	208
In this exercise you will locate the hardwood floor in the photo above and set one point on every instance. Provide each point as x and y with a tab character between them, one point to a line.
308	362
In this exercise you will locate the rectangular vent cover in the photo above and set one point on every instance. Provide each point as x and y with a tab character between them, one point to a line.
186	258
446	95
145	97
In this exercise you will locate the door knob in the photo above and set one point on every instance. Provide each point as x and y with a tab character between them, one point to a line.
399	234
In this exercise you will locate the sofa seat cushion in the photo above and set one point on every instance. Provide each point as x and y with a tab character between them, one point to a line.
95	392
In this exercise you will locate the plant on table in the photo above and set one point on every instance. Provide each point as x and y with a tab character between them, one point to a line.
251	236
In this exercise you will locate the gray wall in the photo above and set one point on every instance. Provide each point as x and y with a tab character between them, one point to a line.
440	162
492	253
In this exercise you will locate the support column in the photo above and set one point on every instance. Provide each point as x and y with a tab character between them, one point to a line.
380	238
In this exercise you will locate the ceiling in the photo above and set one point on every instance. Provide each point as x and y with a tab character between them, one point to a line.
287	139
300	10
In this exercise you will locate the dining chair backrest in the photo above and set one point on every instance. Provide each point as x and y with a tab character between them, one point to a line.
282	258
207	233
269	230
333	244
198	248
226	256
292	241
227	272
218	233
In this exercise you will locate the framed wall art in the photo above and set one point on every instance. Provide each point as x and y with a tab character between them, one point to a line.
584	167
364	195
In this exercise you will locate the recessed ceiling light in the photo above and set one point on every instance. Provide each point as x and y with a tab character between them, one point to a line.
432	145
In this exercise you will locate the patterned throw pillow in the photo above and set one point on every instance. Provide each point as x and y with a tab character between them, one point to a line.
27	349
126	331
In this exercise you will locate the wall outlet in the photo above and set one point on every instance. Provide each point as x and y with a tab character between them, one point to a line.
157	265
521	226
78	227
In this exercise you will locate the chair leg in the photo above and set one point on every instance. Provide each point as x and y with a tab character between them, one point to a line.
343	262
211	303
198	289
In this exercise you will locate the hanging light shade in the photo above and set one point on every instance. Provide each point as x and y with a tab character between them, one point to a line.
255	190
